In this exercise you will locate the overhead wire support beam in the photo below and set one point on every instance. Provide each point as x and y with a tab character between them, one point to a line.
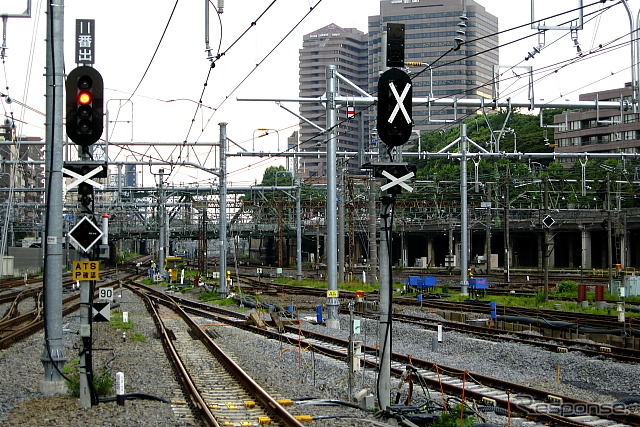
307	121
449	155
462	102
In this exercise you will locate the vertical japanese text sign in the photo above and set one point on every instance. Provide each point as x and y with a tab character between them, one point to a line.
85	41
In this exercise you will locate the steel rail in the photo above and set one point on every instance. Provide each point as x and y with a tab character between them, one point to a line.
401	361
205	413
558	345
267	402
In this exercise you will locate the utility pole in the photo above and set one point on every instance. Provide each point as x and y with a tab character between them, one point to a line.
373	229
162	223
545	242
52	357
464	232
223	289
331	245
341	229
298	194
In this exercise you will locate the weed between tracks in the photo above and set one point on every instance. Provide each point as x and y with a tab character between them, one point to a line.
102	382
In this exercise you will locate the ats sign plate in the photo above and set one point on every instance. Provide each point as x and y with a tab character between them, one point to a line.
86	270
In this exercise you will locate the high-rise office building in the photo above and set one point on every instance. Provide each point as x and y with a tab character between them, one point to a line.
457	39
598	131
346	48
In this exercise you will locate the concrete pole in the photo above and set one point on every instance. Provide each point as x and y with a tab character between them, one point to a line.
223	289
298	230
609	231
545	242
341	229
52	357
488	242
464	232
373	230
384	326
332	232
507	236
161	218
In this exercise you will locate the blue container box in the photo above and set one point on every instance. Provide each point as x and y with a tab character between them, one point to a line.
429	282
414	281
477	283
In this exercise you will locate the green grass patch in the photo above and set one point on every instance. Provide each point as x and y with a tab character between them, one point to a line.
215	298
138	337
102	381
117	323
458	416
322	284
537	302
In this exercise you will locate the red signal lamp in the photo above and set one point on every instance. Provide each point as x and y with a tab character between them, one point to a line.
85	98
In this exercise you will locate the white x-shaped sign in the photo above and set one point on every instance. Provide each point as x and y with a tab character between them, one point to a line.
83	178
397	181
399	105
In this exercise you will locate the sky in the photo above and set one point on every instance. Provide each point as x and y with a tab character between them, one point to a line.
155	50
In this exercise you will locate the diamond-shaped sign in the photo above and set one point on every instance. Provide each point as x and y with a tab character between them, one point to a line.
548	221
85	234
101	311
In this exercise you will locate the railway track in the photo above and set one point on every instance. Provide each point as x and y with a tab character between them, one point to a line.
223	393
13	329
516	400
15	326
471	306
550	343
558	345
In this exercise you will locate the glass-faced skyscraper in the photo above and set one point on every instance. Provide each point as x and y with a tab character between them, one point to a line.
346	48
457	39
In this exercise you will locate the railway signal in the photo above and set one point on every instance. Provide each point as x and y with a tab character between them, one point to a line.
85	194
394	122
397	175
85	100
395	45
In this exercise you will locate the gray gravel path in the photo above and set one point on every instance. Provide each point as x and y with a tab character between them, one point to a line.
283	370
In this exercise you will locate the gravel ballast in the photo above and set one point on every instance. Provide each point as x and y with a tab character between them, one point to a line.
283	370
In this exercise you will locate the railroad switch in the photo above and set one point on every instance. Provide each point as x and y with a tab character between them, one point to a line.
488	401
554	399
285	402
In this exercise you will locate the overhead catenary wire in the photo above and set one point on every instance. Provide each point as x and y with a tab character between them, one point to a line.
219	55
155	52
233	44
556	67
437	63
